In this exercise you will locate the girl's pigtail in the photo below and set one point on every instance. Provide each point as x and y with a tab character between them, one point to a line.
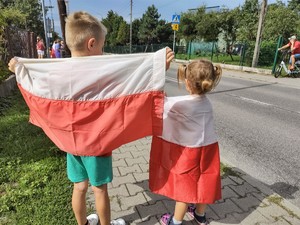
181	73
206	86
212	81
217	75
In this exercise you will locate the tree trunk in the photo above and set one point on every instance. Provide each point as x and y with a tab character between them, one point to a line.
62	15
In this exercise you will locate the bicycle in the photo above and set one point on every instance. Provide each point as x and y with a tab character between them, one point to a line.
282	65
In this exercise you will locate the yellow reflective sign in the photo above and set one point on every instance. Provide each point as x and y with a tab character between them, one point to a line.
175	27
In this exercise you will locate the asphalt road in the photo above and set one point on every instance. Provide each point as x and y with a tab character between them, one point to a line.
257	119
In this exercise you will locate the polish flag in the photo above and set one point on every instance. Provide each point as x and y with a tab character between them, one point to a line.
90	106
184	160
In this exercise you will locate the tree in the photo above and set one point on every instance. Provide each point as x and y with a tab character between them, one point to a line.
248	24
149	22
280	20
7	16
229	25
200	25
248	20
16	15
294	5
11	16
164	32
123	34
112	22
208	25
187	28
135	30
23	14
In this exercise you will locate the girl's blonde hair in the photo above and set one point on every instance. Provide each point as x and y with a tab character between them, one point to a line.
81	26
201	74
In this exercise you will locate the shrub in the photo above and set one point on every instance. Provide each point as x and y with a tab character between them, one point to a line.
4	72
267	53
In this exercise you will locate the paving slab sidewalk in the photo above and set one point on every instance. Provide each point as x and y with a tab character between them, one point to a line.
245	201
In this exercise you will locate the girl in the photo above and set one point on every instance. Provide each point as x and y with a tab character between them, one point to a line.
185	160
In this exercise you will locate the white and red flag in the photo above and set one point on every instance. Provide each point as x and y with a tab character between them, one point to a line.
185	160
92	105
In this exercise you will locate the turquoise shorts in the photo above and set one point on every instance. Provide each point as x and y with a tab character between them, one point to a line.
96	169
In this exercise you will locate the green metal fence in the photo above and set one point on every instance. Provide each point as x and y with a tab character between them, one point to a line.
135	48
279	44
240	53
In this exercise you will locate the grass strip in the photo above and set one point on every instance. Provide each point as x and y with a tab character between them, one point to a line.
34	188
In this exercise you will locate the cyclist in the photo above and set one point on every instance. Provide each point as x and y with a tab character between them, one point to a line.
294	46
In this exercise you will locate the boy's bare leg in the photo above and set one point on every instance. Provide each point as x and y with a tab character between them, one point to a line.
78	201
102	203
180	210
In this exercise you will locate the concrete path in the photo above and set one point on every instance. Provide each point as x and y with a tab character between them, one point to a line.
245	200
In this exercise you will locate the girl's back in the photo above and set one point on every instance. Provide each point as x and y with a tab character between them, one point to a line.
188	121
185	160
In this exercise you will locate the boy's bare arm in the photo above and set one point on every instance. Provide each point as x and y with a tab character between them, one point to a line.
12	65
169	57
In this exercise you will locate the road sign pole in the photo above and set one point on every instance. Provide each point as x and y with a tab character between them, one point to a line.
175	27
174	41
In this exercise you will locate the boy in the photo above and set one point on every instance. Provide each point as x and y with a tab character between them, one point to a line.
85	36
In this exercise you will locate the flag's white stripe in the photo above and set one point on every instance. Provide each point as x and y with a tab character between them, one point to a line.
93	78
188	121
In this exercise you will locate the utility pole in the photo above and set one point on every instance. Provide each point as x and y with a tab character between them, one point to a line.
259	32
52	20
45	29
67	6
130	38
62	9
62	16
174	40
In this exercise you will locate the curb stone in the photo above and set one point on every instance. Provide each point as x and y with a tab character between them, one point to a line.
235	67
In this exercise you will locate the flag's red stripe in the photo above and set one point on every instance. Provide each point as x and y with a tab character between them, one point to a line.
97	127
185	174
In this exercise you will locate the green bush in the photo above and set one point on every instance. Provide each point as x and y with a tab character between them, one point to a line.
267	53
4	72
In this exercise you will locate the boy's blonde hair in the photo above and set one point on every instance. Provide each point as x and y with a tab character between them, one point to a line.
201	74
80	26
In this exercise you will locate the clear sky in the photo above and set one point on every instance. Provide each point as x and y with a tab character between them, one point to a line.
166	8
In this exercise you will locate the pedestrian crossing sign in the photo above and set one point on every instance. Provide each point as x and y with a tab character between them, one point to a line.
176	19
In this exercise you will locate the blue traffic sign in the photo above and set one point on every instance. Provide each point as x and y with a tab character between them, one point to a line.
176	19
